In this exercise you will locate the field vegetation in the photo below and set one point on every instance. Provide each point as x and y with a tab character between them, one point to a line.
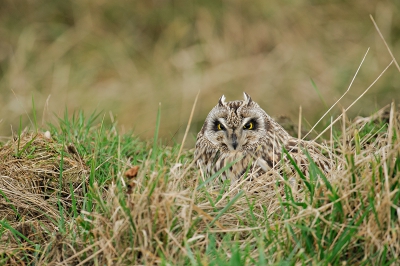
120	186
82	193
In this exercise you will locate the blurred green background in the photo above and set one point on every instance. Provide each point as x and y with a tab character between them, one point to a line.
125	57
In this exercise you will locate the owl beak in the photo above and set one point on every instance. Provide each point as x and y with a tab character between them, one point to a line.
234	141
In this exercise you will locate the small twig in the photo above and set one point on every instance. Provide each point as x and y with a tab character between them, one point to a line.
299	129
188	126
331	135
391	122
230	230
348	89
337	119
45	108
344	131
383	39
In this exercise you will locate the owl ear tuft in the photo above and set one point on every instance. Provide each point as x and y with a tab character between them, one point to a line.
247	99
221	101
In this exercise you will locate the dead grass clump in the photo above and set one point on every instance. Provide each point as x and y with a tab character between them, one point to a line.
36	175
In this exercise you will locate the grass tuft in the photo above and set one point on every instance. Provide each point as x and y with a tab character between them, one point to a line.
65	200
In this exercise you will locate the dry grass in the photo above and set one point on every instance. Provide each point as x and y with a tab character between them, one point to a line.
38	176
164	215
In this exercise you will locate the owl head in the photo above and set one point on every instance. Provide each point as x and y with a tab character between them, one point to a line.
236	125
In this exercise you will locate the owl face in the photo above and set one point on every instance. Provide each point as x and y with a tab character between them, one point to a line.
238	136
236	125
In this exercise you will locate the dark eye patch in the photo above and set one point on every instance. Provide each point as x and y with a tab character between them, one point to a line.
218	126
252	124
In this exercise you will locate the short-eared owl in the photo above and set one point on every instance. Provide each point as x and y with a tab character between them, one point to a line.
243	132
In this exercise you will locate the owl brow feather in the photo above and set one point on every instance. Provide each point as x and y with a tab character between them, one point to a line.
221	101
247	99
249	119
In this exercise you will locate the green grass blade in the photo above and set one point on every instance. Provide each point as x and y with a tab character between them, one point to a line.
318	92
227	207
296	167
19	136
12	206
155	140
34	114
15	232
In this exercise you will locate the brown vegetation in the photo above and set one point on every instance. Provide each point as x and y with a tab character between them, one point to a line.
166	217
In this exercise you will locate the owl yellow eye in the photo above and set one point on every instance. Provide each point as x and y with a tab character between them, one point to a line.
220	127
249	126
